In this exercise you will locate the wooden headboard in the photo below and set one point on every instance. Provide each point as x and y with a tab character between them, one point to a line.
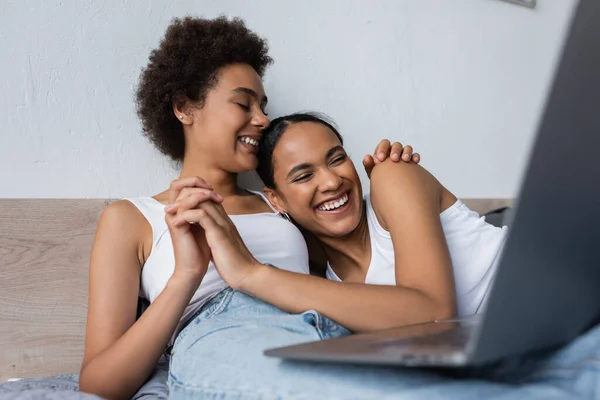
44	255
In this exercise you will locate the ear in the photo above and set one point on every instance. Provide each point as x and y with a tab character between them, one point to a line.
181	110
274	198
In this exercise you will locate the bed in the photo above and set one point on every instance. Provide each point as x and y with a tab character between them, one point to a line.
44	253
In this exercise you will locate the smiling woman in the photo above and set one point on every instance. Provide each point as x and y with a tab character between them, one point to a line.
174	81
323	184
409	233
202	103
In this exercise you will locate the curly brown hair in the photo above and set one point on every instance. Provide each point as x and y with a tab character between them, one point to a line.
187	62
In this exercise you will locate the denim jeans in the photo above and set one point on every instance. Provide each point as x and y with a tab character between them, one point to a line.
219	355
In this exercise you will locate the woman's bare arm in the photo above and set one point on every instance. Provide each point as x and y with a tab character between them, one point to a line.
120	352
424	287
407	200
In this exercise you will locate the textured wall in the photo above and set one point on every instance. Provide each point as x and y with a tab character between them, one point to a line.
462	80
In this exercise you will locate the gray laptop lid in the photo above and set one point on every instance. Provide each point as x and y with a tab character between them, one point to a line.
547	289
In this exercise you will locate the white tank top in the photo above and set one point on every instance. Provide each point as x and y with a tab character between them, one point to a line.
474	247
269	237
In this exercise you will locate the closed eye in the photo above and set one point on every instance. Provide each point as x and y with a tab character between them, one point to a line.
338	160
302	178
243	106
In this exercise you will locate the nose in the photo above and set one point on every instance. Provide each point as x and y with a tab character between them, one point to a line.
329	180
260	120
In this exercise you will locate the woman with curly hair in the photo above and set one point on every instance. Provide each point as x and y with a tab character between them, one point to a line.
202	103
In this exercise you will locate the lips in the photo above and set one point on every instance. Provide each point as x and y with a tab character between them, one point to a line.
335	205
249	143
248	140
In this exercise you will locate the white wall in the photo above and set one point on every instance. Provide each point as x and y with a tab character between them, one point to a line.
462	80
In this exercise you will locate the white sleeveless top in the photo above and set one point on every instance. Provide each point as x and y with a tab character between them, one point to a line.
474	247
269	237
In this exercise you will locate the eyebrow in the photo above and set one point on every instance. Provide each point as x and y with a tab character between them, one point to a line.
302	166
297	168
252	93
333	150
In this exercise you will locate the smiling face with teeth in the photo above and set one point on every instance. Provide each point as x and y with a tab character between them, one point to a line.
316	182
224	132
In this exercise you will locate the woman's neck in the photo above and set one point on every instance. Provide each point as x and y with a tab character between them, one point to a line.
350	254
223	182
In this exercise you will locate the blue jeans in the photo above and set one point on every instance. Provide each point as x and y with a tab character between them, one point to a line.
219	355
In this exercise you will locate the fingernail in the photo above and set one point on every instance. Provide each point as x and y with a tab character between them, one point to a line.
395	156
381	156
406	157
219	197
170	207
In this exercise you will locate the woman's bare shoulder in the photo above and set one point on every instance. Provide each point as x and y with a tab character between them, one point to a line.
408	173
122	222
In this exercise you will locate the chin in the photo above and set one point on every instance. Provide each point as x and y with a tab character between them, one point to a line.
342	228
338	234
243	164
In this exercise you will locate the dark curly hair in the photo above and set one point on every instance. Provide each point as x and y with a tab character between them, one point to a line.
187	63
270	137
